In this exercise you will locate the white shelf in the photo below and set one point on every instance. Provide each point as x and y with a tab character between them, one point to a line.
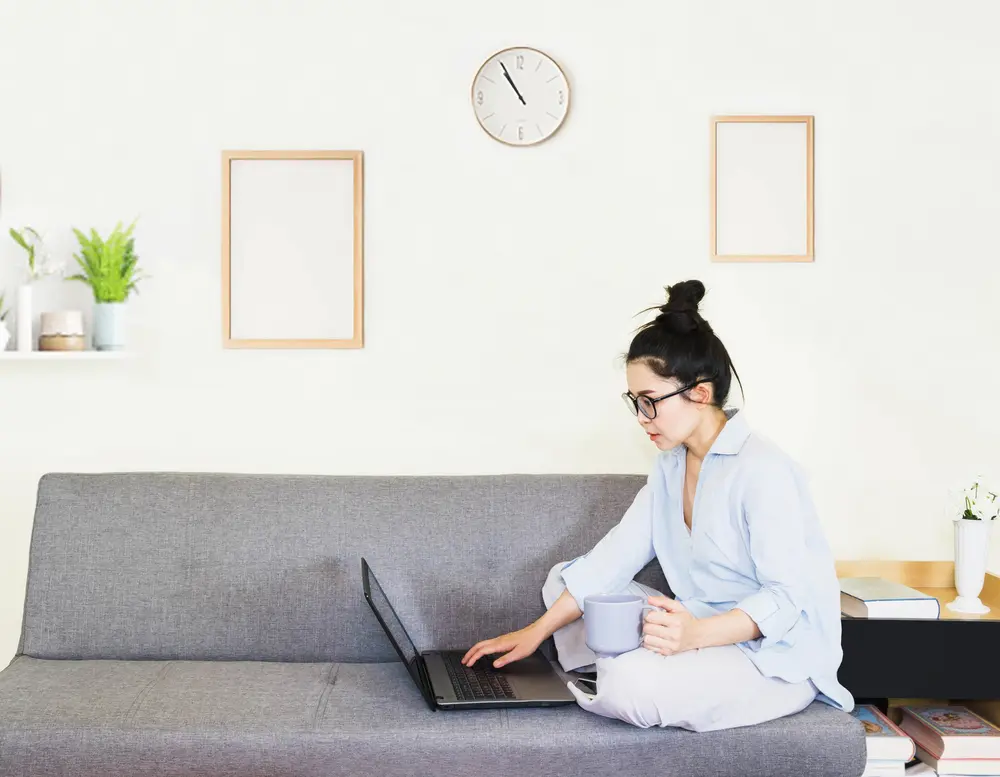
56	356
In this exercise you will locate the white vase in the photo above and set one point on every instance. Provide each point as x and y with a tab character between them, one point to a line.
4	335
25	341
972	545
109	326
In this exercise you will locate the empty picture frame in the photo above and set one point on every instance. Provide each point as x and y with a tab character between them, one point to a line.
292	249
762	189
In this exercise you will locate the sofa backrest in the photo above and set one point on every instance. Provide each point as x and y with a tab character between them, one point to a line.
268	567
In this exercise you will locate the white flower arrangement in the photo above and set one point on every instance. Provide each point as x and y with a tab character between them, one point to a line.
40	263
980	503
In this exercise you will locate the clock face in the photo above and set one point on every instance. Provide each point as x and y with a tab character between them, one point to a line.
520	96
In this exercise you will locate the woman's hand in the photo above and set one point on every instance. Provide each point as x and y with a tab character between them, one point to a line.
515	646
521	644
673	631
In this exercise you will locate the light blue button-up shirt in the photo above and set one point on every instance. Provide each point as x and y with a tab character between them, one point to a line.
755	544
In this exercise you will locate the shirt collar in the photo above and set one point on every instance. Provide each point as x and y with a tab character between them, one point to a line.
730	440
733	435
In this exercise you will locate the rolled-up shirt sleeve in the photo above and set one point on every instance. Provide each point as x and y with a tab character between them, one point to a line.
775	510
619	555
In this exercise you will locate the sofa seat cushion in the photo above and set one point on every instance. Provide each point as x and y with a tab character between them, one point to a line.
261	719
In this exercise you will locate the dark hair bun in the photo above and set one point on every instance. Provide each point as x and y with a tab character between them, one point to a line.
680	313
685	296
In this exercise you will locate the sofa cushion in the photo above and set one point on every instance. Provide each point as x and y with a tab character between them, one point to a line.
267	567
267	719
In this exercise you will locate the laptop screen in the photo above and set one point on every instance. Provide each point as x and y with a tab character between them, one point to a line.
390	621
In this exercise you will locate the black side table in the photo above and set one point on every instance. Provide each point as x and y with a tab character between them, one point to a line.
947	658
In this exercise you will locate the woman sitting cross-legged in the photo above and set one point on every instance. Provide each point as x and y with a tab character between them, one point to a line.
753	631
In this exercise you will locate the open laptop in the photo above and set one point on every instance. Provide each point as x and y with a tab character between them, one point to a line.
448	685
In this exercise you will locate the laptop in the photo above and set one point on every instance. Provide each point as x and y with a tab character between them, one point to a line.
448	685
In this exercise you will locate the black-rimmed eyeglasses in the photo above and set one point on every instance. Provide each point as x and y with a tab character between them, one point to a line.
646	404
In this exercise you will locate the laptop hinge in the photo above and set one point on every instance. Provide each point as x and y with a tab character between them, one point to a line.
425	682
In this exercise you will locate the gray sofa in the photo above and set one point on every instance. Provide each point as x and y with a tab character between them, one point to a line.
214	624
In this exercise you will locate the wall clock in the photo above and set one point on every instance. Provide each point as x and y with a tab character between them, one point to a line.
520	96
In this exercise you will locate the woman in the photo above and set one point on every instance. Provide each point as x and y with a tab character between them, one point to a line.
753	630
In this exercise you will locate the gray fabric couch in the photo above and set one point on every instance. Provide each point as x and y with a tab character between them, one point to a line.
214	624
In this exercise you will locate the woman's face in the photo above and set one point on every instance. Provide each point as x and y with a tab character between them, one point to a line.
676	417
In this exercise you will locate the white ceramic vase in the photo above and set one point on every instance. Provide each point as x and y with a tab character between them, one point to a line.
4	335
109	326
972	544
24	318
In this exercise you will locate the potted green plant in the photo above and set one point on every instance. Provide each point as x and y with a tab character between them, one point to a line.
40	264
109	267
4	331
972	542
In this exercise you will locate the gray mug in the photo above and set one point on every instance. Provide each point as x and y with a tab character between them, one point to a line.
613	622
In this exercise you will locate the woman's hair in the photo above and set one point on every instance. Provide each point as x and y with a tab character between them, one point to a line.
680	344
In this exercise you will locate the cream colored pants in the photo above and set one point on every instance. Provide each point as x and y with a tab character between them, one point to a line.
699	690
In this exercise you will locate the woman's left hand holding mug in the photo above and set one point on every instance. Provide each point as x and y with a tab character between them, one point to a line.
669	630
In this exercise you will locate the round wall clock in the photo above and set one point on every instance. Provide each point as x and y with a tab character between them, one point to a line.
520	96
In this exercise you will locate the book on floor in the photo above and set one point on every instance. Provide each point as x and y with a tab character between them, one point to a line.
965	767
884	769
887	744
876	597
947	732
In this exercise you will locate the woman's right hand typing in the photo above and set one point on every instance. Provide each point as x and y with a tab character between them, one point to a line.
521	644
515	646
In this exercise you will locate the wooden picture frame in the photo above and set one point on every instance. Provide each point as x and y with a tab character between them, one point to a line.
292	249
762	189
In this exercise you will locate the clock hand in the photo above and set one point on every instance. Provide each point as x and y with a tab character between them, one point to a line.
507	76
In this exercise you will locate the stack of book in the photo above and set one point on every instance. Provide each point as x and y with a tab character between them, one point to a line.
889	748
953	739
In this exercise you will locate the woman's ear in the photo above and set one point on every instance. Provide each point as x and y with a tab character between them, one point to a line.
703	393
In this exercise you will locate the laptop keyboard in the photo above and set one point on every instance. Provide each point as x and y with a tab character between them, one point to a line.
476	682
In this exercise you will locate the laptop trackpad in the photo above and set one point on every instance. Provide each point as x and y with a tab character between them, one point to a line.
533	665
535	677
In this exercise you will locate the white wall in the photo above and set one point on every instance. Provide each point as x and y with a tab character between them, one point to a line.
502	282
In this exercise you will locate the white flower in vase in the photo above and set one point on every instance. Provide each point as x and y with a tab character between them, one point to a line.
40	265
972	543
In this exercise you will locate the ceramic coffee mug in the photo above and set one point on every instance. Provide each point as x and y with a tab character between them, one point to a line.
613	622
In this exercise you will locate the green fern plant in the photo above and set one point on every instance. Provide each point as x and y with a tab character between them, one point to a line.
109	266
